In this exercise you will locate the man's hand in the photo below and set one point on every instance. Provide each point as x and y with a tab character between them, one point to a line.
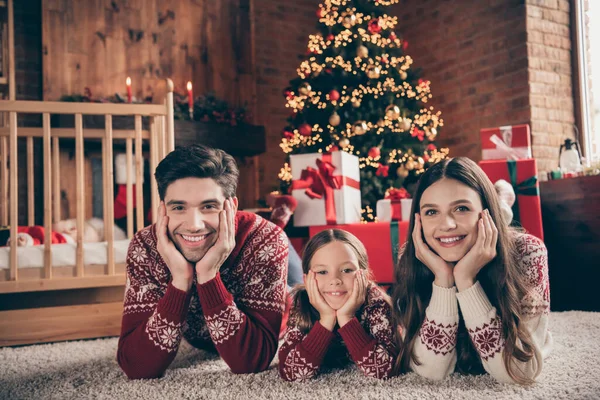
209	265
182	272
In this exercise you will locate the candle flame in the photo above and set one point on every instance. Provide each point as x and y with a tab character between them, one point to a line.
128	81
189	85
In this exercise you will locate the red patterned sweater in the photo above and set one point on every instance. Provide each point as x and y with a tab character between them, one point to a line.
436	347
368	340
238	312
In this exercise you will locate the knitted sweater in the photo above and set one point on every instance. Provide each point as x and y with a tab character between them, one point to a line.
367	338
435	347
238	312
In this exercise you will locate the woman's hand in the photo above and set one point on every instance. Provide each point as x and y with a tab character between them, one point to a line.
326	313
440	268
482	252
356	299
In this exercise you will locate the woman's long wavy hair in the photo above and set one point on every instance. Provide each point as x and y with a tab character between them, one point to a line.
501	280
305	314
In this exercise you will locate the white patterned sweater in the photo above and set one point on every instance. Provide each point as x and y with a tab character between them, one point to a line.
238	312
436	346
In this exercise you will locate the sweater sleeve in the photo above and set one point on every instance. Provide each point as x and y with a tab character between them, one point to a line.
301	355
435	348
372	349
153	317
485	326
245	331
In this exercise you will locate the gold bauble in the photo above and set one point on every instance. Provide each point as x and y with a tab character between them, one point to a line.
355	103
410	165
344	142
392	112
362	51
348	19
373	71
403	75
334	119
359	128
402	172
304	88
406	124
381	123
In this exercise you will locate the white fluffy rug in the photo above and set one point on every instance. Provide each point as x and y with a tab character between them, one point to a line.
88	369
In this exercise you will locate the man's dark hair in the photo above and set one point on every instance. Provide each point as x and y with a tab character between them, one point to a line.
197	161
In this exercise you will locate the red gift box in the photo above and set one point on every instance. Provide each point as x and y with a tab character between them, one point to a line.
382	241
517	143
522	175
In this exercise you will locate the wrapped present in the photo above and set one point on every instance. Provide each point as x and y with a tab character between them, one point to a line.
522	175
395	206
382	241
327	188
506	143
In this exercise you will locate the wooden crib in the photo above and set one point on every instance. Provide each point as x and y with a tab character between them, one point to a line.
52	303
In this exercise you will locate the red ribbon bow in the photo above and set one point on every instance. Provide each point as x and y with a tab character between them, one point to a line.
397	194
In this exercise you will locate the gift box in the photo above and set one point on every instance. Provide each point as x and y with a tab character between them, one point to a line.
506	143
395	207
327	188
382	241
522	175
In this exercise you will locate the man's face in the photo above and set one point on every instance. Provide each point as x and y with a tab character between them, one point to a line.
193	206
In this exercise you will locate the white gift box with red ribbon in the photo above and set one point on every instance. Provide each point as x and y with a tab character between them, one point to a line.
506	143
395	207
327	188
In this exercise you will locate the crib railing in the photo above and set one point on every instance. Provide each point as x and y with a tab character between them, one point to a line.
160	138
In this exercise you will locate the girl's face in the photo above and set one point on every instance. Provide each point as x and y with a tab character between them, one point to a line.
449	213
335	265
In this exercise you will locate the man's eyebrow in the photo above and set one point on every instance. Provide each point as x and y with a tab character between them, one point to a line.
176	202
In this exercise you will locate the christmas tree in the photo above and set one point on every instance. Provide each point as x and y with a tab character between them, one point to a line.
357	92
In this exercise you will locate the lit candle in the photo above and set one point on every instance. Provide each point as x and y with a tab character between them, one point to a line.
128	83
190	99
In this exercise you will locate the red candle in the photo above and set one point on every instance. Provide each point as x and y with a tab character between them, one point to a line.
190	96
128	83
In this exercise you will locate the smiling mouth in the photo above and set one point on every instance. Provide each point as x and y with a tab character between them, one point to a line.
194	240
451	241
336	294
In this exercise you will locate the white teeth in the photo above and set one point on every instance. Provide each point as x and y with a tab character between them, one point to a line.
193	238
451	240
335	293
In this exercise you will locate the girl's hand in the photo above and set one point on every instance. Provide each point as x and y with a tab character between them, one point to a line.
482	252
356	299
440	268
326	313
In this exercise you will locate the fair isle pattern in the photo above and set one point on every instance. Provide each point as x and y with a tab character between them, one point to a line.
488	339
264	285
296	368
195	327
225	324
534	264
163	333
439	338
377	364
377	316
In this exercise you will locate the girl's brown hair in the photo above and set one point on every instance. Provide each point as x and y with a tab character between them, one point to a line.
501	280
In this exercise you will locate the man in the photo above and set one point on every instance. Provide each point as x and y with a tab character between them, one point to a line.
204	271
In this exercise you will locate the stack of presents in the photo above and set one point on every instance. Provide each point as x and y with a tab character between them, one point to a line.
327	188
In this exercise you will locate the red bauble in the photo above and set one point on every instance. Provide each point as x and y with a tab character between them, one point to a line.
374	152
392	36
425	158
286	133
305	130
334	95
330	37
431	147
321	13
384	60
374	26
328	70
404	45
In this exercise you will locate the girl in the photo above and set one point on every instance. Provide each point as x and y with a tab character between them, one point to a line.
338	302
462	254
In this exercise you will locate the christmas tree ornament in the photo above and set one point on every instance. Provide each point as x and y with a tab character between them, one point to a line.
433	131
334	119
344	142
381	123
359	128
334	95
330	37
392	112
305	130
384	60
355	102
406	124
383	170
403	75
410	165
402	172
392	36
348	19
288	134
321	13
404	45
304	88
373	71
374	26
362	51
334	148
374	152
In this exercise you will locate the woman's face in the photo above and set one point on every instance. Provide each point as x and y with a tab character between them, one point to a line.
449	213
